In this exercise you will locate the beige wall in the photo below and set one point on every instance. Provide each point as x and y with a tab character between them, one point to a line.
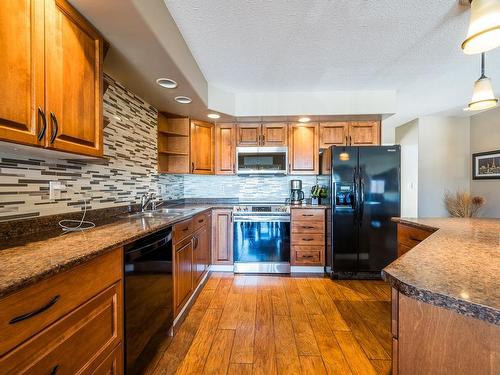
485	136
443	161
407	137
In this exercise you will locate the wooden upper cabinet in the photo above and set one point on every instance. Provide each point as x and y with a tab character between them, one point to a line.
21	70
202	147
304	149
364	133
74	81
333	134
274	134
225	152
248	134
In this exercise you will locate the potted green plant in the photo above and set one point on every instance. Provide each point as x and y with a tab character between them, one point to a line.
318	192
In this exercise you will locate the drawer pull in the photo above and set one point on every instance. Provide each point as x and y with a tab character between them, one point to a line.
308	227
415	239
307	215
308	239
54	370
20	318
185	229
307	256
201	220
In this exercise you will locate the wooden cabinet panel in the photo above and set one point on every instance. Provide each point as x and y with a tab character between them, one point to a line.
112	365
21	70
74	81
364	133
308	214
317	227
72	344
333	134
274	134
304	149
201	253
248	134
225	152
222	237
60	294
441	341
307	255
307	239
202	147
183	278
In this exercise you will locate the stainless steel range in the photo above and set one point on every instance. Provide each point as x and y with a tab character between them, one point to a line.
261	238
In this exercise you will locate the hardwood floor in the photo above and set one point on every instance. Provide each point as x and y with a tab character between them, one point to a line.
283	325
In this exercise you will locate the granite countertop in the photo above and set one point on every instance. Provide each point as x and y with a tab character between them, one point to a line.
457	267
25	264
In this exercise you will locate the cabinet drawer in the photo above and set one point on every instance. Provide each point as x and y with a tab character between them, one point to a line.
54	297
308	214
410	236
200	220
308	239
307	255
75	342
182	230
314	227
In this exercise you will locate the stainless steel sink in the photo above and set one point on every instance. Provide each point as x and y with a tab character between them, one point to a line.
177	211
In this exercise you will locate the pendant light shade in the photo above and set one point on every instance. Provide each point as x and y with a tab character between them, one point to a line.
483	96
484	27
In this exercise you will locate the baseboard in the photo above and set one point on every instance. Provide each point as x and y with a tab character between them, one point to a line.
308	269
221	268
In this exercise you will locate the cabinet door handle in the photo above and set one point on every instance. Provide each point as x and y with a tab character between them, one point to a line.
192	167
54	370
263	139
53	118
234	168
41	114
350	141
346	140
31	314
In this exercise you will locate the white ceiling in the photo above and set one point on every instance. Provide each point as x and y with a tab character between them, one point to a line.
295	45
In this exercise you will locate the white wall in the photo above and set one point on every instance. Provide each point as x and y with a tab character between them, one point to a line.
407	137
485	136
443	161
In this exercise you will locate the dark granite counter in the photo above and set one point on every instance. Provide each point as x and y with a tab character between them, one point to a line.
24	261
457	267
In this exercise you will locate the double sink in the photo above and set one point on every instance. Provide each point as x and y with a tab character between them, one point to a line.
167	213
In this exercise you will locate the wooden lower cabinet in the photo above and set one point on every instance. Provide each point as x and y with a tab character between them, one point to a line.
79	341
434	340
409	237
222	236
112	365
308	237
192	249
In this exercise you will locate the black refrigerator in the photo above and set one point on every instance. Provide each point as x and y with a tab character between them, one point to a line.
365	195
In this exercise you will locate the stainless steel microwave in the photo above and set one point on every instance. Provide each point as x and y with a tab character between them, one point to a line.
261	160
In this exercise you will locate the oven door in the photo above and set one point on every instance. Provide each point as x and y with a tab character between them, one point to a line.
261	244
261	160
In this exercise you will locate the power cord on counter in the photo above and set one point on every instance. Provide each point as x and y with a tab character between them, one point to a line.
81	224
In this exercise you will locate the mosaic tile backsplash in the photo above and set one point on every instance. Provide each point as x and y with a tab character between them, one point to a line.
129	172
270	188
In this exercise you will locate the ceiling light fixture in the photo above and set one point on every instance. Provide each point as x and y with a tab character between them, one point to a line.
482	96
183	99
166	83
304	119
484	27
214	116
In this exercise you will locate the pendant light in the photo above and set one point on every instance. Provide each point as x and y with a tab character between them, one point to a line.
484	27
482	96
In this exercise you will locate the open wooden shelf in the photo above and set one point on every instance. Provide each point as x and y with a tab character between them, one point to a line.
173	144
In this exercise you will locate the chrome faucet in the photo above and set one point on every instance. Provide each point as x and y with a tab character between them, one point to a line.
146	199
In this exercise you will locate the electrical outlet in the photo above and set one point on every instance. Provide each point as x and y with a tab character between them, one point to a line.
55	188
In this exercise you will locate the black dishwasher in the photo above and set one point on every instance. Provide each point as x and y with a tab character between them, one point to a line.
148	298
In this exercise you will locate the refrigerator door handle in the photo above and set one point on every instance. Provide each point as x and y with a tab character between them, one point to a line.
361	196
354	202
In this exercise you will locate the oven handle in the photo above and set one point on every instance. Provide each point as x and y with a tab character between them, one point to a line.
253	219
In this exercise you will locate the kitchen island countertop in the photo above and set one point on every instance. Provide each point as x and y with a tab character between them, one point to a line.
457	267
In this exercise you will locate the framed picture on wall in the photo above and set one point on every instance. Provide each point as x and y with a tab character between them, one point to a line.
486	165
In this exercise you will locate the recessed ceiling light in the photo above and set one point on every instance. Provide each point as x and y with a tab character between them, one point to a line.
304	119
215	116
183	99
167	83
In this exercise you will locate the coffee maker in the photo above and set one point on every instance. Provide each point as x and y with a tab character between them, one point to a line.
296	193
